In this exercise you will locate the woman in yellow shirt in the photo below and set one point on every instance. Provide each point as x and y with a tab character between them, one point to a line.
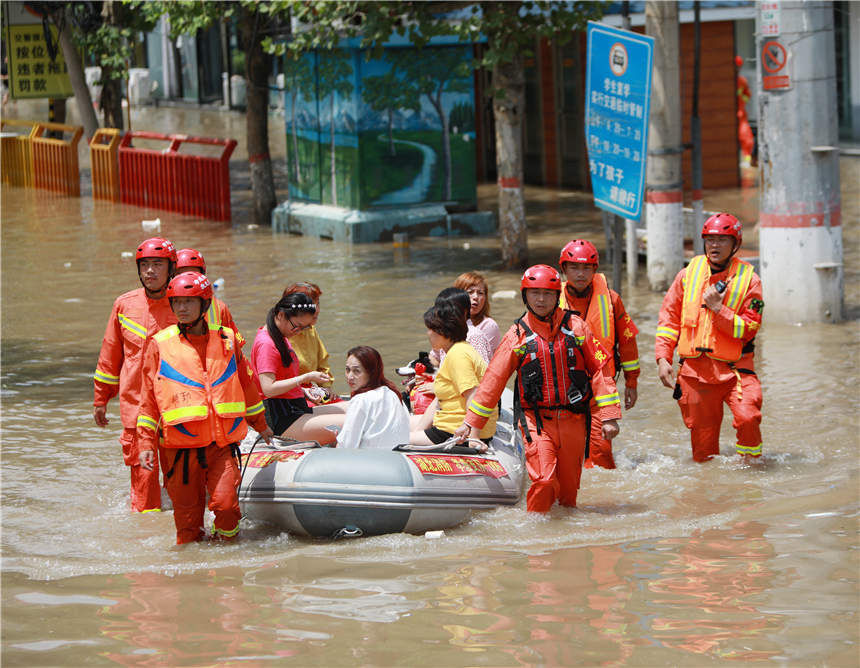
457	378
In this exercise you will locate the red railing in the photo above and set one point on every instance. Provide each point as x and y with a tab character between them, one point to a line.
196	185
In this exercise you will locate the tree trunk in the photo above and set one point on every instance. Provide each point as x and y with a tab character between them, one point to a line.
446	142
333	152
111	100
257	69
391	150
295	133
508	109
79	83
664	186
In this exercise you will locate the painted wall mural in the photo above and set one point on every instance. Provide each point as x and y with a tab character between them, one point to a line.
394	131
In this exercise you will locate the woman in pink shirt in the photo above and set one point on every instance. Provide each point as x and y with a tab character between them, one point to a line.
276	372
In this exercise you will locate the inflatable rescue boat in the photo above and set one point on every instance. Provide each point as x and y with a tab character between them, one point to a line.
320	491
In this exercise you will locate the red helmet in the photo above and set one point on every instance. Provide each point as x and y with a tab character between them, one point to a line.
188	257
156	247
190	284
580	251
541	276
723	223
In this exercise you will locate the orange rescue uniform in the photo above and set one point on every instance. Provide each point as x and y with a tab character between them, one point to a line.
135	318
218	315
199	389
554	457
716	351
605	314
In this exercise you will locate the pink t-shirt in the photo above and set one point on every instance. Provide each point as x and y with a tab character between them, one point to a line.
265	358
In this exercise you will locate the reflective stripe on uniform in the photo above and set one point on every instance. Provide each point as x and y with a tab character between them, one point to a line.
478	409
147	422
607	399
225	532
632	365
105	377
739	327
603	303
131	325
185	412
668	333
213	315
751	450
256	409
230	407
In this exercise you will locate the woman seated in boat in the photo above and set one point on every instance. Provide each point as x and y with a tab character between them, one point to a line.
458	376
276	371
459	299
479	314
310	350
376	416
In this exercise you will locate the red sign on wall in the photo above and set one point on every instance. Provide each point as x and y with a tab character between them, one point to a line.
774	63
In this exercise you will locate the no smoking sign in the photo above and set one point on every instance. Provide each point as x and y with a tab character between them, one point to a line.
774	63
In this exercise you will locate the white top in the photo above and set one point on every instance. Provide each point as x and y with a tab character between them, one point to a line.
375	419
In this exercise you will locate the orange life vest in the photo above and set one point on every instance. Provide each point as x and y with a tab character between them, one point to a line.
698	334
600	317
199	406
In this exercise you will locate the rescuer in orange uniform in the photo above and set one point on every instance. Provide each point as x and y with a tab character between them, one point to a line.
586	293
188	259
559	364
712	313
136	316
198	389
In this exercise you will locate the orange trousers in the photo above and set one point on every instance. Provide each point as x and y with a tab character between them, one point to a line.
702	409
554	459
599	449
220	478
145	493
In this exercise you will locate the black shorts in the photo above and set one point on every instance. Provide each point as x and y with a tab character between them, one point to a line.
281	413
438	436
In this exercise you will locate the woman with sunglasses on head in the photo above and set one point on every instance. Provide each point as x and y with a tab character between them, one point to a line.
376	417
309	348
276	371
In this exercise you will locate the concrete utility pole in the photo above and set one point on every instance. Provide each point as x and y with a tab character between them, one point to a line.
664	185
800	234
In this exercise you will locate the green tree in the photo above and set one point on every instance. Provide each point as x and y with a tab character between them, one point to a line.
510	31
299	80
387	93
257	23
446	71
334	72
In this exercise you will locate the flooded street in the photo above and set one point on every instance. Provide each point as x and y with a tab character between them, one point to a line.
664	562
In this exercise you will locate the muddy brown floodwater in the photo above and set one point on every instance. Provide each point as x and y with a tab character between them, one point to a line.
665	562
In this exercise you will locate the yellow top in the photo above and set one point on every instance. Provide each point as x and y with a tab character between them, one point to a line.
460	371
311	352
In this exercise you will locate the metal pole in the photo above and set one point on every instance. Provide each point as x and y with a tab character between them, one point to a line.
800	231
632	243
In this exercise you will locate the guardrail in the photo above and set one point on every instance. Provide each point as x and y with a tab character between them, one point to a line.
16	153
104	161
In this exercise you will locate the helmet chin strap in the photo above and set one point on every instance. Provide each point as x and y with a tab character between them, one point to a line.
544	318
722	267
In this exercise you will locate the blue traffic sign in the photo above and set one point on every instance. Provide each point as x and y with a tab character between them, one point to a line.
617	104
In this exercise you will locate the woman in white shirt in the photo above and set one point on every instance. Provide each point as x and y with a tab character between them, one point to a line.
376	416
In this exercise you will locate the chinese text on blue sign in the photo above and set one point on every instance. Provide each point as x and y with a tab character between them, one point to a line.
618	93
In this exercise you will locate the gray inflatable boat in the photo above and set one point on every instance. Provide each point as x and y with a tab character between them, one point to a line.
314	491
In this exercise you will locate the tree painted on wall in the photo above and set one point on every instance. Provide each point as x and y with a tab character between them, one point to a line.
446	71
387	93
335	72
299	79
